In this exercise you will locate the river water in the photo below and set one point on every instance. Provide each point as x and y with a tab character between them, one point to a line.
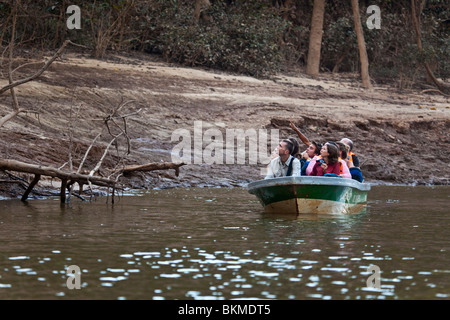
216	243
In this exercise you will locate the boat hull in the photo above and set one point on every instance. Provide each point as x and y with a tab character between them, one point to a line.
311	195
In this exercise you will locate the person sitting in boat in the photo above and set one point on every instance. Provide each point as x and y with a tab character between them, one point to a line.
313	161
343	152
329	163
312	153
353	161
295	150
285	164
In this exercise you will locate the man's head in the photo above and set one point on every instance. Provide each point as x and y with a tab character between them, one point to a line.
343	149
348	142
295	146
313	149
285	148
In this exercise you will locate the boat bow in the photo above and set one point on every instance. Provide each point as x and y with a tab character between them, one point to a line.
307	194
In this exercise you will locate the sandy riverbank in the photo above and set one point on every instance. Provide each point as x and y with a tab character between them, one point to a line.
401	137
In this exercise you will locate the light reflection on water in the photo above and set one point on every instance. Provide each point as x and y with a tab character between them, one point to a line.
218	244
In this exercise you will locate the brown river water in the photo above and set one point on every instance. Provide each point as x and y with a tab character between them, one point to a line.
217	243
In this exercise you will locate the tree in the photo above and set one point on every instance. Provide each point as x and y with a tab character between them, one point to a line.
201	6
107	22
416	23
315	38
361	46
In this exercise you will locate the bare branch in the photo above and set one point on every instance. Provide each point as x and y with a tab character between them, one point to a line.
435	90
10	115
39	72
87	152
97	167
25	64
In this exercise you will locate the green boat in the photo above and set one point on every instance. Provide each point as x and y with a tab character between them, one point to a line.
310	195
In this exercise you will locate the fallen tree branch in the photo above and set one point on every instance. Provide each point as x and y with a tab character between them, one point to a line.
65	176
435	90
15	165
68	178
154	166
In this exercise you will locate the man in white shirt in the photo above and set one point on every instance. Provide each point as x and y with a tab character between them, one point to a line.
285	164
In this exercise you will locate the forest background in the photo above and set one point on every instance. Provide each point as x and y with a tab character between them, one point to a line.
254	37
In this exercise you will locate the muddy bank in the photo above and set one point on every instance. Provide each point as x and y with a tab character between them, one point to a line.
400	137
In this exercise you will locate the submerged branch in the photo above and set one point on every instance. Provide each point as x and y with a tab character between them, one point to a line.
15	165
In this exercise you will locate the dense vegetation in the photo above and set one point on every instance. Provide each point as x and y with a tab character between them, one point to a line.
255	37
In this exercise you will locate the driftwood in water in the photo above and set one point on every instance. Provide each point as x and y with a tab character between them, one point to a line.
15	165
65	176
69	178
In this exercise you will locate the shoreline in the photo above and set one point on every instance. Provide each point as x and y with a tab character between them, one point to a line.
103	193
400	136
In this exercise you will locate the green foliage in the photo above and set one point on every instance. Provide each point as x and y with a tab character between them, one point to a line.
392	50
339	44
255	37
235	40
